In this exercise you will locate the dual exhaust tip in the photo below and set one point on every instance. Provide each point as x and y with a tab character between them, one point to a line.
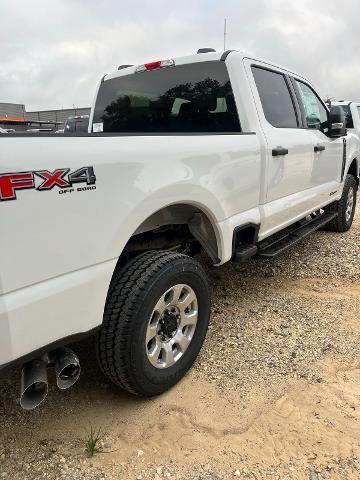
34	378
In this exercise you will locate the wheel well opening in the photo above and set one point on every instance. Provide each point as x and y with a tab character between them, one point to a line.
353	170
180	227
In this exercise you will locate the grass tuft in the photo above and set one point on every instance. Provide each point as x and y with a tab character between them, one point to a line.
92	440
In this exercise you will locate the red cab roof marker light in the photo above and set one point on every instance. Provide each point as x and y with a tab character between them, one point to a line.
155	65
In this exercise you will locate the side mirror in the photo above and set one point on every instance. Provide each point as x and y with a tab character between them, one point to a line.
337	122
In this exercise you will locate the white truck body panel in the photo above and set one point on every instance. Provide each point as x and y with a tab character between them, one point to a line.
355	110
60	249
219	174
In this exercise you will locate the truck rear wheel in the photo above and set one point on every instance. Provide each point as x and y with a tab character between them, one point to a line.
155	321
345	207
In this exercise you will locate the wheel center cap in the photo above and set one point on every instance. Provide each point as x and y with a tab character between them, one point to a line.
169	324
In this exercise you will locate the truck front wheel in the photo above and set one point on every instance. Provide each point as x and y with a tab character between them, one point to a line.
345	207
155	321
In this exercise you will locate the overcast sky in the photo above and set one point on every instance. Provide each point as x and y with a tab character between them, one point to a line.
53	52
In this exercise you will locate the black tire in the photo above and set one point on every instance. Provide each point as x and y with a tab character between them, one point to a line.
341	223
134	290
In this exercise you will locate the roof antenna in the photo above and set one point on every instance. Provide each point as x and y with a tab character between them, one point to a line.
225	33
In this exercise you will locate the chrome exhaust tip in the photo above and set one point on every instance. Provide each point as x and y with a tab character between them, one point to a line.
67	367
34	384
34	379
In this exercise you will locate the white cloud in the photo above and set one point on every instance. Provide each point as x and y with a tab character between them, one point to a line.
54	52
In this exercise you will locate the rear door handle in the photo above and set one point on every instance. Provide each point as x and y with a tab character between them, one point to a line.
319	148
276	152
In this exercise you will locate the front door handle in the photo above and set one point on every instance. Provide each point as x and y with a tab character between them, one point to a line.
319	148
276	152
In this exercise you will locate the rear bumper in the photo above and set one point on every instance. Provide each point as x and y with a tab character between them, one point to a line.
56	311
47	348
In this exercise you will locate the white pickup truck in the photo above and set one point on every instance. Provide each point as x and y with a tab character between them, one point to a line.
220	152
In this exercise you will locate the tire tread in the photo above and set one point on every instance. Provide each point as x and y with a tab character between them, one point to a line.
128	285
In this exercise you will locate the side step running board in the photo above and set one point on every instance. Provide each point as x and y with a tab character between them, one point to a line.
244	251
272	248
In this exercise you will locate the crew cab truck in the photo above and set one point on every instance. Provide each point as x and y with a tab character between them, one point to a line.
220	152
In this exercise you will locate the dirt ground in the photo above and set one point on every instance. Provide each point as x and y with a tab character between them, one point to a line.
274	394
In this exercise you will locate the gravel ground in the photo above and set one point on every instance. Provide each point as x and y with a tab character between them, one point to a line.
275	392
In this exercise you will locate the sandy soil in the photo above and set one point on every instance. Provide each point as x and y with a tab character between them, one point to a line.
275	392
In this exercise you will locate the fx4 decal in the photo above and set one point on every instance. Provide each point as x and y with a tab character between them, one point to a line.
44	180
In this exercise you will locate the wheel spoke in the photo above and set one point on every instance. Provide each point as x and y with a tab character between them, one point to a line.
167	356
187	301
177	290
181	341
154	353
151	333
188	318
160	306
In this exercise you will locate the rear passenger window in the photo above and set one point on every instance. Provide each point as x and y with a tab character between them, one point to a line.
275	98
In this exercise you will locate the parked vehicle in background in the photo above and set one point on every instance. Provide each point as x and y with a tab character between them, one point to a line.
78	124
352	115
220	152
61	130
39	130
2	130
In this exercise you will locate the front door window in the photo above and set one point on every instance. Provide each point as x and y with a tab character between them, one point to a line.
315	112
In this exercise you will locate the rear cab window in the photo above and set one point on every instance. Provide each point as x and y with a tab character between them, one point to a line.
194	97
276	98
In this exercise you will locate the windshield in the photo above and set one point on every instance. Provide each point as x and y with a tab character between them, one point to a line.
76	125
195	97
